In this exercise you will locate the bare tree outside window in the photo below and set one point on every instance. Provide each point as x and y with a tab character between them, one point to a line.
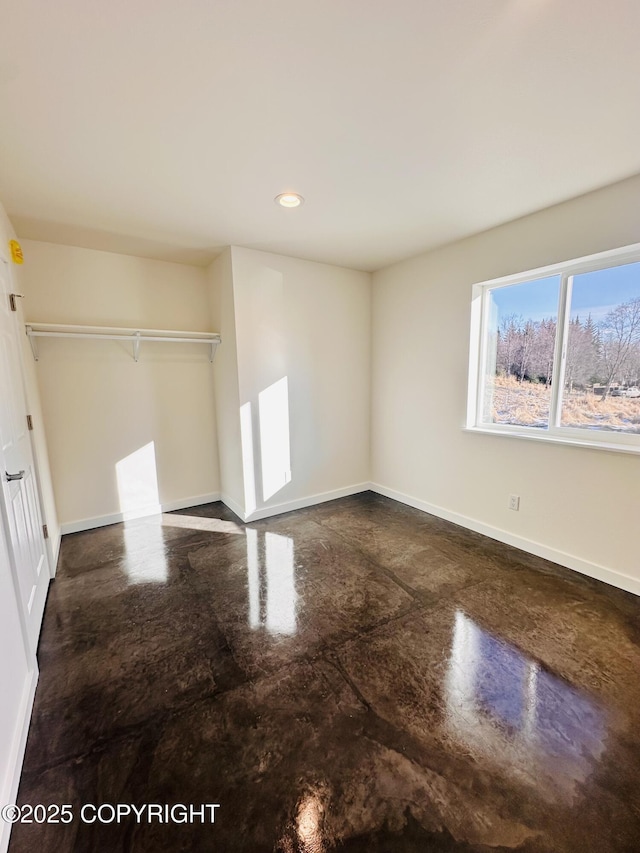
518	390
620	338
600	374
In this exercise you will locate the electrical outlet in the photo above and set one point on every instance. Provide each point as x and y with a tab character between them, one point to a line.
514	502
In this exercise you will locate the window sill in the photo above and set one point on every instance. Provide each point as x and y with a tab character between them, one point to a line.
556	439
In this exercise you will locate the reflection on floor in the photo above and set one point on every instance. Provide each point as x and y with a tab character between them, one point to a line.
357	676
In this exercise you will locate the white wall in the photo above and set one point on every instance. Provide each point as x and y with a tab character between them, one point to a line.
99	406
225	370
578	506
303	354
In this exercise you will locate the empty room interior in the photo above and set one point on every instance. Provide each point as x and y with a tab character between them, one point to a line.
320	426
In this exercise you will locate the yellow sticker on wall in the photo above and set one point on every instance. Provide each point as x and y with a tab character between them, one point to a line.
16	252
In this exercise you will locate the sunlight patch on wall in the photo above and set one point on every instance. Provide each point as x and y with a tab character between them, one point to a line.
275	449
248	473
138	483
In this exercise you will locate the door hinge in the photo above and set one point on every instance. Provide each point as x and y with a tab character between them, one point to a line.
29	422
45	531
12	300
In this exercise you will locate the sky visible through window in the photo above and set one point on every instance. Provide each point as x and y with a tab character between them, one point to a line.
595	293
533	300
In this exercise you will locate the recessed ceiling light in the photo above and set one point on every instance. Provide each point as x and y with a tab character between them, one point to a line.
289	200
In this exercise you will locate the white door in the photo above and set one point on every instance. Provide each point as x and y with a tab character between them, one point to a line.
19	505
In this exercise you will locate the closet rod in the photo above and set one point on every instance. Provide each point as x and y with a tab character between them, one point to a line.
43	330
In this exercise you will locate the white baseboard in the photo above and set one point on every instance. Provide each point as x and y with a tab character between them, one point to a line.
16	758
267	512
312	500
54	552
593	570
601	573
185	503
299	503
104	520
233	505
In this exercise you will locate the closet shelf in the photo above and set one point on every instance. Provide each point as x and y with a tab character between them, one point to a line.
107	333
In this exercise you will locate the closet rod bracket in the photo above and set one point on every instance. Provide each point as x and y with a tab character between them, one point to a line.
32	341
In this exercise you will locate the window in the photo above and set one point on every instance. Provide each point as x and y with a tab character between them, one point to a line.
555	353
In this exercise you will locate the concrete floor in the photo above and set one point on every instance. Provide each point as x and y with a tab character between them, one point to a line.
358	676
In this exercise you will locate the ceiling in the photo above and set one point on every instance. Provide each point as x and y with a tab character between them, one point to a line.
165	128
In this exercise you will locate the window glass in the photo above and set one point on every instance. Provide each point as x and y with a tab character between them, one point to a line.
520	339
602	370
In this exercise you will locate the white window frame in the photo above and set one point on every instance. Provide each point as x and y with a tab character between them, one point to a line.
596	439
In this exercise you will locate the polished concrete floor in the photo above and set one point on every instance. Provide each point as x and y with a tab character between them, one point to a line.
357	676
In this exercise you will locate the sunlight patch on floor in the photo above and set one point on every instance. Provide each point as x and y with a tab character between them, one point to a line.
195	522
